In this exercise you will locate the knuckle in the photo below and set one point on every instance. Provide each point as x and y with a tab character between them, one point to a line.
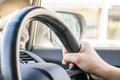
76	59
85	44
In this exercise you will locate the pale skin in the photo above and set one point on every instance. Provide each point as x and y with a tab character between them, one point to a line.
88	60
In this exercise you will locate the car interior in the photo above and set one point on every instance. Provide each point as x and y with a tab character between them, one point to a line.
47	33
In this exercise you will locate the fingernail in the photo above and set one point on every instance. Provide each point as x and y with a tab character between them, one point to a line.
70	66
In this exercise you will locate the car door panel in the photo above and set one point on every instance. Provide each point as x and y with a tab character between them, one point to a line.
111	56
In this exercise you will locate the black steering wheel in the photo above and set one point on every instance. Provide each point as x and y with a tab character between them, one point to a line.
11	38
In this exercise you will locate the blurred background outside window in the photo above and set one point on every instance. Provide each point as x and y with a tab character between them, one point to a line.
102	19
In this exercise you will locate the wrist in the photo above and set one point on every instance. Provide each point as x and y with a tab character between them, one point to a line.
102	70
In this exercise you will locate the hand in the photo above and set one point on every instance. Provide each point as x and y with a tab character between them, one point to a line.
86	59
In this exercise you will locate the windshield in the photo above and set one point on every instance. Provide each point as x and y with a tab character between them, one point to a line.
102	19
72	22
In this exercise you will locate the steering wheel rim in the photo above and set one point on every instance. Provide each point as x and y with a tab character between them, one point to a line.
11	38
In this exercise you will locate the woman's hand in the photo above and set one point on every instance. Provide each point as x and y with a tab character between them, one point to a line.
88	60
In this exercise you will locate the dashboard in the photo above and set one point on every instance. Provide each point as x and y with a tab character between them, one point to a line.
39	57
55	56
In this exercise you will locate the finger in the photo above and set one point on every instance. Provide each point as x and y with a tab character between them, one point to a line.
64	51
63	62
95	77
72	58
71	65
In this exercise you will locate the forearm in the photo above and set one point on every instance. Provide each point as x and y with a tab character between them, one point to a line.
108	72
113	73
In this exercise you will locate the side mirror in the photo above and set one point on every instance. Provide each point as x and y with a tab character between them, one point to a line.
75	23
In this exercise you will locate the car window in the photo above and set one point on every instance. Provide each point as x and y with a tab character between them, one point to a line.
114	23
102	19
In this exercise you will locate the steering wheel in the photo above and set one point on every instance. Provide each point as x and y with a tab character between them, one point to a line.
11	38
